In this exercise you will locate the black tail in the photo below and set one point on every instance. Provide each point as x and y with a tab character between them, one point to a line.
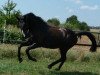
91	37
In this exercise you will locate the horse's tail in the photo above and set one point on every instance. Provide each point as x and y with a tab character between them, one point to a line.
91	37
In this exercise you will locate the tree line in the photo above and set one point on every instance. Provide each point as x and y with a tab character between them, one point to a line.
8	13
72	23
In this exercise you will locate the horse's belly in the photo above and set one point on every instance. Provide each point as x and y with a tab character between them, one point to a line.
52	44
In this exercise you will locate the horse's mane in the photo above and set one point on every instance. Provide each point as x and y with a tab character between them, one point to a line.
36	23
37	20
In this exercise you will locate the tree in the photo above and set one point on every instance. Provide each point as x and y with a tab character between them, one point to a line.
54	21
72	20
84	26
8	7
1	14
1	18
68	25
73	23
9	13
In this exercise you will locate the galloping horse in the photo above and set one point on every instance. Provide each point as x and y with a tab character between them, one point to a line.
40	34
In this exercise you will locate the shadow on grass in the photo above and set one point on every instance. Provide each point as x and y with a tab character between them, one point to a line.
72	73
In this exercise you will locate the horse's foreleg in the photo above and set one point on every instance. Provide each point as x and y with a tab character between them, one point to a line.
24	43
19	56
33	46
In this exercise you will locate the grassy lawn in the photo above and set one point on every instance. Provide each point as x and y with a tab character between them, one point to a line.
12	67
83	64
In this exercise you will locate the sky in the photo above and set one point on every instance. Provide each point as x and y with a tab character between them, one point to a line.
86	10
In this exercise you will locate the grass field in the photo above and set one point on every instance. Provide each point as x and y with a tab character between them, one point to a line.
79	61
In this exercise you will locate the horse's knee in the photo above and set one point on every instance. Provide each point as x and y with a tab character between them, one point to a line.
19	47
27	51
64	58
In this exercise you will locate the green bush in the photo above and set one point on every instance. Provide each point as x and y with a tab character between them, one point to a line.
10	37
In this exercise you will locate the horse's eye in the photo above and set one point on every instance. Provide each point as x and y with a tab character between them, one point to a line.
21	20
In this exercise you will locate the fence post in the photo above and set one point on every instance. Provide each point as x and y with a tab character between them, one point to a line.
99	38
4	38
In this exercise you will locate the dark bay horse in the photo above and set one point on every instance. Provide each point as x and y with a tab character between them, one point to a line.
40	34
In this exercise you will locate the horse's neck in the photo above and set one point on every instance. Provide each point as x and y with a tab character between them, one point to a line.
39	29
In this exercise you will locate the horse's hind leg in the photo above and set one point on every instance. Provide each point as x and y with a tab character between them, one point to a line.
63	51
63	58
54	63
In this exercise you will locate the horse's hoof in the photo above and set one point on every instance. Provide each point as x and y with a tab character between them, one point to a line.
33	59
20	60
49	67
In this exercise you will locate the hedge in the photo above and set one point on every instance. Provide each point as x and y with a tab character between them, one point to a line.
10	37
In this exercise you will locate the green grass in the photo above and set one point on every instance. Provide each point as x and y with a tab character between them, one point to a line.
12	67
77	63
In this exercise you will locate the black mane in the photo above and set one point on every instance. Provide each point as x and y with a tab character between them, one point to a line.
35	19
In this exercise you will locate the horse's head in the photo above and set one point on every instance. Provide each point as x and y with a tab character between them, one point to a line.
27	20
21	21
23	26
30	22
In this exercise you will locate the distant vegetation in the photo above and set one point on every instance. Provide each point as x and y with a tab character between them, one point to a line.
71	23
